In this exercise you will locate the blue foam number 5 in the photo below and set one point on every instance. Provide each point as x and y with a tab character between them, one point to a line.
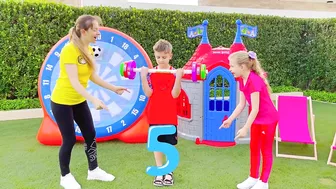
167	149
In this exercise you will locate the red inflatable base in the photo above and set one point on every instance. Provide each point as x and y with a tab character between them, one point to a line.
215	143
49	134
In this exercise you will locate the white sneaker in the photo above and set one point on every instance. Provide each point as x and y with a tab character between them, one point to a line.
99	174
248	183
69	182
260	185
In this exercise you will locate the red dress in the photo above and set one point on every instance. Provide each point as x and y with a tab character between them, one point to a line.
162	107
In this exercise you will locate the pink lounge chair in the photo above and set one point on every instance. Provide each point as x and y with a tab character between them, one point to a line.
332	148
293	124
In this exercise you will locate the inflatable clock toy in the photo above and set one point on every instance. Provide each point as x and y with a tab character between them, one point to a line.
125	119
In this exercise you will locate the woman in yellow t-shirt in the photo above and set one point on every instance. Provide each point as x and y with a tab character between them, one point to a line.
68	99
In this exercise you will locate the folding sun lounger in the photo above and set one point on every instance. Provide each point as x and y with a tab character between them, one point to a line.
332	148
293	124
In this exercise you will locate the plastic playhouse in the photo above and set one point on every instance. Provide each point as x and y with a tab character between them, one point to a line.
204	105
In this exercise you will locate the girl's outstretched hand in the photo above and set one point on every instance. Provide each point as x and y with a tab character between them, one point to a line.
241	132
226	124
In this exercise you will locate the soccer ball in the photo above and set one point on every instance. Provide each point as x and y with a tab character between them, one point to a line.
97	51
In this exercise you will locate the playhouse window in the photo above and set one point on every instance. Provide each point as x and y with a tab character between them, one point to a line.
219	94
183	105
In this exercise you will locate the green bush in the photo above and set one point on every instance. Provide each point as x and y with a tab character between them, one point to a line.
281	89
315	95
321	96
18	104
35	103
295	52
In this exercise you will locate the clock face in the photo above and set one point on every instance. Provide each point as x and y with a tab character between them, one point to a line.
110	50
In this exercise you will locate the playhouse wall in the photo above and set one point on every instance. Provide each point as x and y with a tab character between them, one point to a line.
191	129
241	120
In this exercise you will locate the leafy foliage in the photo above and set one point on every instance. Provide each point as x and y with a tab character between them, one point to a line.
294	52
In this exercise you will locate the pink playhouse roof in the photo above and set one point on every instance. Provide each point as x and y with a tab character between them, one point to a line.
213	57
204	54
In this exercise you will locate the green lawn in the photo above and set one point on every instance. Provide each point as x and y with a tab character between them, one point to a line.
24	163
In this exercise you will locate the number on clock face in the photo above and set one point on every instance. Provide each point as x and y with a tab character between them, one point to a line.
109	129
123	123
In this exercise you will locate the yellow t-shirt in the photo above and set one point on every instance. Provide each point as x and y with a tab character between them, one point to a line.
63	92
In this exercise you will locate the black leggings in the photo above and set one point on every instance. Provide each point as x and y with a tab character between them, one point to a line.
65	116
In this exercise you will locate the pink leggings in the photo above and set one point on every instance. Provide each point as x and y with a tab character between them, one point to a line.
262	137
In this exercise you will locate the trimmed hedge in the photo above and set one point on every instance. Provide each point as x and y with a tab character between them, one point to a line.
18	104
316	95
35	103
295	52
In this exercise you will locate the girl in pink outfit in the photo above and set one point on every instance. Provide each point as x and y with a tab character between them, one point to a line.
262	120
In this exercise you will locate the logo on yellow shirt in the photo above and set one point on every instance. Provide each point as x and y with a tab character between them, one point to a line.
81	60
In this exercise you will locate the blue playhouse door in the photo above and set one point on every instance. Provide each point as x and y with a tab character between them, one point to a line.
219	101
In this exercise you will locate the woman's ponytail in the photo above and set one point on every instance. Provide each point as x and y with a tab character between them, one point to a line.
83	22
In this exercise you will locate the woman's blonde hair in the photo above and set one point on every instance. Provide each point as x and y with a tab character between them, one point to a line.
83	22
251	62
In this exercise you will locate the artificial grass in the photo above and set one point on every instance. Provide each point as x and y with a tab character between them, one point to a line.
26	164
